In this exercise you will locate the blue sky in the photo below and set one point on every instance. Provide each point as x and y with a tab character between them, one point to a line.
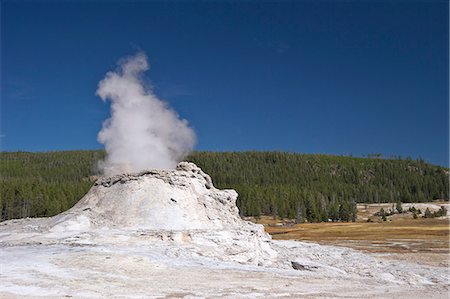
336	77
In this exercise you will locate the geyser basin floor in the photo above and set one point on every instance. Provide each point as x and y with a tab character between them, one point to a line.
165	271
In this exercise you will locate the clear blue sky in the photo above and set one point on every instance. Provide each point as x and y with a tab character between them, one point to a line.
335	77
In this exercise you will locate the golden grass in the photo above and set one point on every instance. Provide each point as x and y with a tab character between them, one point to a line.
403	235
424	241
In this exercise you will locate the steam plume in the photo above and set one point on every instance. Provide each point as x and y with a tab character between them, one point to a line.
143	132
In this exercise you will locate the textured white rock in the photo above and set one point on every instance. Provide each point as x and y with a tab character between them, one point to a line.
180	205
182	199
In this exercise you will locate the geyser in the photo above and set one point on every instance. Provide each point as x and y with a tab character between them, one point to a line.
180	206
143	132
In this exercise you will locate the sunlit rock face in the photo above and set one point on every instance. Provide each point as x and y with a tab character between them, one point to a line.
180	205
181	199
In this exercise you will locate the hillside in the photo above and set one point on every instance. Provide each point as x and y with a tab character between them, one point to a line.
301	186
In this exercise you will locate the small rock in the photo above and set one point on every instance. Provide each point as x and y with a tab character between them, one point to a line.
298	266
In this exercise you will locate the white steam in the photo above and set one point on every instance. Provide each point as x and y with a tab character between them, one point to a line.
143	132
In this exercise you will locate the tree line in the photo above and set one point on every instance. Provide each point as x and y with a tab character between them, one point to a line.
320	187
298	186
44	184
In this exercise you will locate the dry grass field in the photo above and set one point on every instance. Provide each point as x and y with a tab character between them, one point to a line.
421	240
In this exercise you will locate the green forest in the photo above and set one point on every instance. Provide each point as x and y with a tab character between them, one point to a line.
307	187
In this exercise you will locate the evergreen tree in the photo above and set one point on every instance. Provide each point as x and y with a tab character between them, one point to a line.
428	213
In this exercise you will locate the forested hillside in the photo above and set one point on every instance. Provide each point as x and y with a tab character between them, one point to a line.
320	187
44	184
301	186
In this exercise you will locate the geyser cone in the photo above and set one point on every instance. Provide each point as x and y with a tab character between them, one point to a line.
180	205
181	199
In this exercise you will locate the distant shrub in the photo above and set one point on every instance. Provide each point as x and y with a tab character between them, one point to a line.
380	213
441	212
428	214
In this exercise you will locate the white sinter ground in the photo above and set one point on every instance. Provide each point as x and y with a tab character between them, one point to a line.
171	233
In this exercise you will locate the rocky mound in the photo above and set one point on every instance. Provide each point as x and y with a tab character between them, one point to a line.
181	199
181	206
